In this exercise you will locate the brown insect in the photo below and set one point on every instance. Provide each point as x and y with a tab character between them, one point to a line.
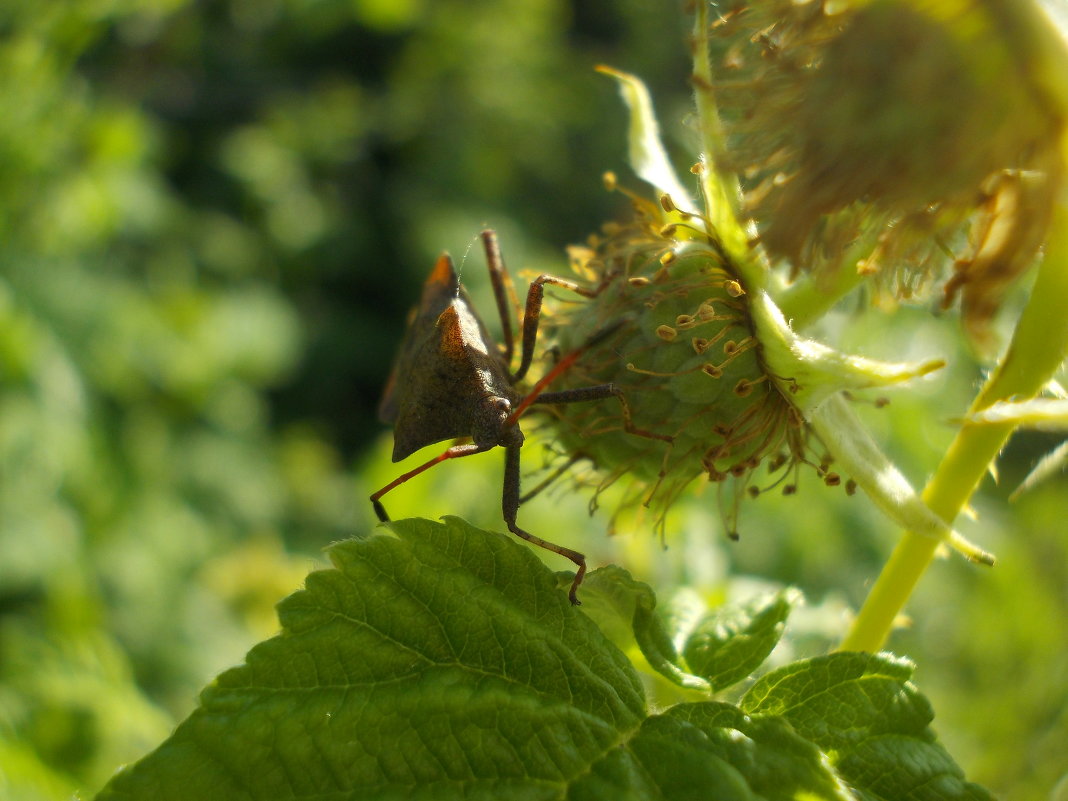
451	381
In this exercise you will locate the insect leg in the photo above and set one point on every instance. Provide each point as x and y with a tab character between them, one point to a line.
532	315
455	452
558	370
510	507
600	392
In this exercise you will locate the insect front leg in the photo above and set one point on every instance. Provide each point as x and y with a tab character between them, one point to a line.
532	315
510	507
597	392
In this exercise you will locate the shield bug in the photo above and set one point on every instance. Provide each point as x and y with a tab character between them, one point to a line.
452	381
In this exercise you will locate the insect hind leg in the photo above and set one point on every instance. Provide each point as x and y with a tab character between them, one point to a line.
510	507
455	452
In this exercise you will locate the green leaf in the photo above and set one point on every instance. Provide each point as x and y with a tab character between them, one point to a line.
842	699
668	758
625	610
720	647
732	642
862	710
777	763
895	766
442	662
711	750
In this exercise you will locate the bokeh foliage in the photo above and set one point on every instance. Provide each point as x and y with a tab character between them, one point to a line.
213	217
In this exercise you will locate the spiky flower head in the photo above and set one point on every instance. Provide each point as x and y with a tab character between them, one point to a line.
684	352
907	139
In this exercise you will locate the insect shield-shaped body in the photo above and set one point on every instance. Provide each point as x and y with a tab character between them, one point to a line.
452	381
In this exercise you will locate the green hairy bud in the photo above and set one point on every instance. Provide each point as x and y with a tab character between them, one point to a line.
687	358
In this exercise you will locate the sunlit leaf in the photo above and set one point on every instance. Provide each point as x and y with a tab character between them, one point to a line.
446	662
863	711
729	644
441	657
620	604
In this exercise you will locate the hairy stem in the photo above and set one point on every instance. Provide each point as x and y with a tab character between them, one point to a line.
1039	345
721	190
810	297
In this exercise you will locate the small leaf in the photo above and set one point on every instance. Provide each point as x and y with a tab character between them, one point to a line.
1045	414
647	155
843	698
857	455
625	611
667	759
444	659
817	372
732	642
898	766
1049	464
777	763
864	713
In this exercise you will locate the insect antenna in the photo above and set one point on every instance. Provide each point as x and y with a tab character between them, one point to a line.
503	291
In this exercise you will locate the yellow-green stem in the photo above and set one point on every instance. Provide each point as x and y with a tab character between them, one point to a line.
721	190
948	491
809	298
1039	344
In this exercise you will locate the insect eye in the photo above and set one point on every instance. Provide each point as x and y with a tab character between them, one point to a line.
503	405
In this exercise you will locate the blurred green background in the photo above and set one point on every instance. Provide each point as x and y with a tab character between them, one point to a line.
214	217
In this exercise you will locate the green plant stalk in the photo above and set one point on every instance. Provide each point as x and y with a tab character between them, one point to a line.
809	298
806	300
1039	345
721	190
